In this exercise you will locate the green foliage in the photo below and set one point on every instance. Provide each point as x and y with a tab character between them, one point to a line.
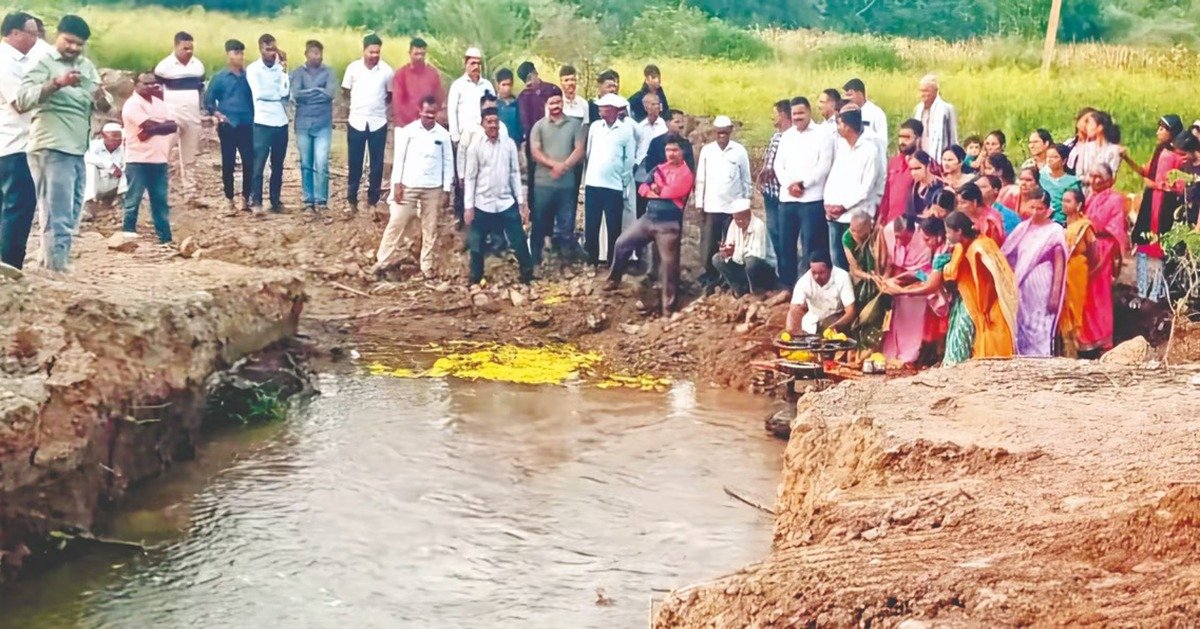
264	405
1182	246
867	54
683	32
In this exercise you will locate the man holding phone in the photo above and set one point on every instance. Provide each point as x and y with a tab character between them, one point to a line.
62	90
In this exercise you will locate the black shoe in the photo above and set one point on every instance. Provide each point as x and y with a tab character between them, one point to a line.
277	208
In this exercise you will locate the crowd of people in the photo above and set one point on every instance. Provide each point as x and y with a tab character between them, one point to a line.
943	251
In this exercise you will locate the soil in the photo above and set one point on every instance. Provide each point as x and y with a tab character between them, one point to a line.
103	372
1045	492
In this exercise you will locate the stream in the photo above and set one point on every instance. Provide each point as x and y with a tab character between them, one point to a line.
435	503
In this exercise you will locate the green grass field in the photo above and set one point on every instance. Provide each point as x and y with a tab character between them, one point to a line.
993	84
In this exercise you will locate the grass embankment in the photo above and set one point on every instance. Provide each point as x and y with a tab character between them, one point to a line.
993	83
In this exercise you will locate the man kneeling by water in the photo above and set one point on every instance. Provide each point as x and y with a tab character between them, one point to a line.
746	260
666	194
823	298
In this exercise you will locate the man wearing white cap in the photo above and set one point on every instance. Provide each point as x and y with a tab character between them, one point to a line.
722	177
611	149
462	103
105	174
746	260
462	111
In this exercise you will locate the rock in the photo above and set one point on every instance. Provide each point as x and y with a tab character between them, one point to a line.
517	298
741	328
479	299
597	321
189	247
125	243
871	535
630	329
385	288
912	623
905	516
676	316
1131	352
539	318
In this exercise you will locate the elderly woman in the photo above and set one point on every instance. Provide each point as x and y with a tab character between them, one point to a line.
1080	244
860	245
1055	179
1160	200
1037	253
1105	210
954	175
925	187
1039	142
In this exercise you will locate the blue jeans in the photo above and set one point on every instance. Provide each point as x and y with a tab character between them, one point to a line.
314	164
771	208
802	223
59	178
148	178
270	143
836	250
18	203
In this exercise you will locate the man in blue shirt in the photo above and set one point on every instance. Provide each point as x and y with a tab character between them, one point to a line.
313	88
270	85
506	104
229	101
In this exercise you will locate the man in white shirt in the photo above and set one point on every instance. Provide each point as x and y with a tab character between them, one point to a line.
802	165
875	129
494	197
182	76
41	47
422	176
822	299
722	177
611	148
18	194
574	105
851	184
368	85
462	102
105	161
649	128
271	87
746	260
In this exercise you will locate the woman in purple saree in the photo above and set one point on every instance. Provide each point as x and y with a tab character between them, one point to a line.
1037	252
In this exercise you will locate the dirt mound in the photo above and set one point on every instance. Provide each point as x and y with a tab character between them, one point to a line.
992	493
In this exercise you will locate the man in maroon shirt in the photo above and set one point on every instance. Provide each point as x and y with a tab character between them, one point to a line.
531	103
899	179
413	83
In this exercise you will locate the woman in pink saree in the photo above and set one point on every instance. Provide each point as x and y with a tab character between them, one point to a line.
906	255
1037	253
1106	211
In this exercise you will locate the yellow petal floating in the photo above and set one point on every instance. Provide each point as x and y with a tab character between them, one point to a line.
551	364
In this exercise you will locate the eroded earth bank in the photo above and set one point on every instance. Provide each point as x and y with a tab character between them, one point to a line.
996	493
102	375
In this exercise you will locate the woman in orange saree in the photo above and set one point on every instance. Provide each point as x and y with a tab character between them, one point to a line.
1080	242
986	286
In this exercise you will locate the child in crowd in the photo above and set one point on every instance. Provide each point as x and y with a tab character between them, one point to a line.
973	146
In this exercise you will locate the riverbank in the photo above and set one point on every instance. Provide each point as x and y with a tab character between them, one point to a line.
103	374
993	493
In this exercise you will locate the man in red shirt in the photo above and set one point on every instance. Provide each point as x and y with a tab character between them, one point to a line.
412	83
148	131
668	189
899	179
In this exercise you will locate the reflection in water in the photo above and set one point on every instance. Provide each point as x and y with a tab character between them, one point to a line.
435	503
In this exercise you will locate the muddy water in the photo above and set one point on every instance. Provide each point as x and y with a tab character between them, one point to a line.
391	502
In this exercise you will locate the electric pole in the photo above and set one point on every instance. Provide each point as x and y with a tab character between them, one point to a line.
1051	36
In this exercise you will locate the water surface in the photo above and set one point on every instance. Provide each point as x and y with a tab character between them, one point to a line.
391	502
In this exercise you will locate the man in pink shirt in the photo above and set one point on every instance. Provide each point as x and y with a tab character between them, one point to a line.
148	131
667	192
899	180
412	83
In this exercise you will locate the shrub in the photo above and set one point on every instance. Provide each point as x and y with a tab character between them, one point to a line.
722	41
682	32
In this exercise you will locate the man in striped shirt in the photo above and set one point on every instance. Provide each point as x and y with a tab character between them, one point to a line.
768	182
493	197
182	77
